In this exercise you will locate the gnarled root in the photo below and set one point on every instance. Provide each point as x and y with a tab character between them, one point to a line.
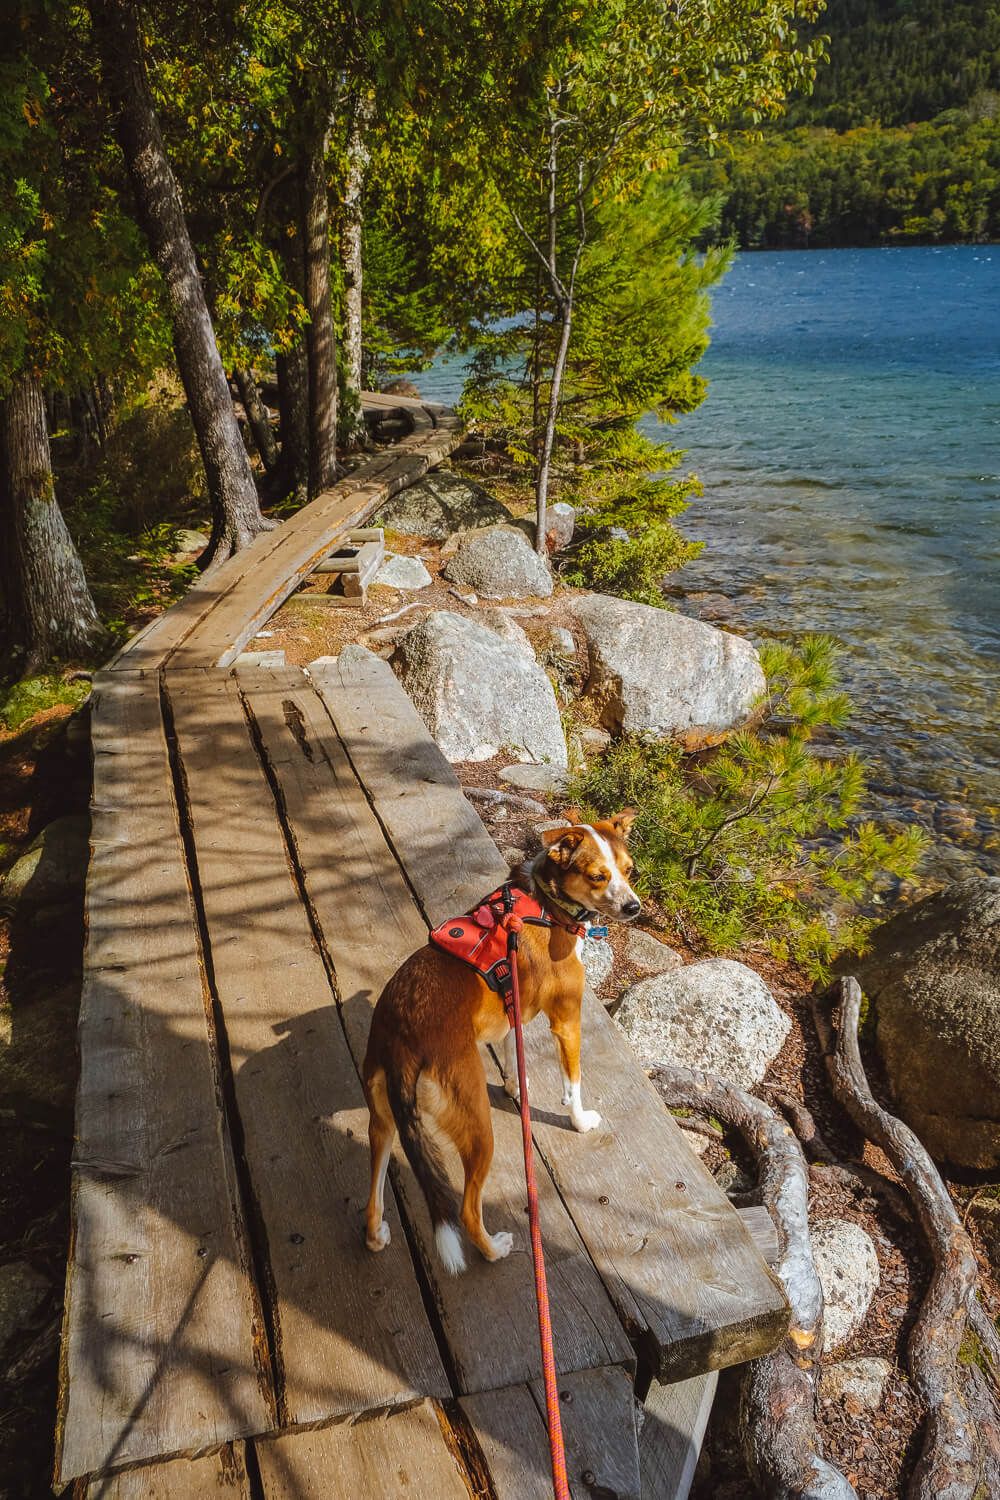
949	1465
777	1411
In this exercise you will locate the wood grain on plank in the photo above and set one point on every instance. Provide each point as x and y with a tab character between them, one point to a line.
219	1476
598	1415
369	925
161	1338
673	1429
679	1264
415	791
402	1456
352	1333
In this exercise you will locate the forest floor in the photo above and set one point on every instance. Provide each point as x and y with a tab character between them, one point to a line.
44	773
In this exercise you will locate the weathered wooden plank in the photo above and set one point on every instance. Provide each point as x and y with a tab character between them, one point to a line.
762	1231
402	1456
244	591
671	1434
597	1410
221	633
351	1329
677	1261
219	1476
162	1338
417	794
369	924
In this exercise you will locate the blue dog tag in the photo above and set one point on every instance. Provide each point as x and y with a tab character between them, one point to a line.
597	932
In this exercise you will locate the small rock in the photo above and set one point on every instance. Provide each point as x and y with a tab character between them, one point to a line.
860	1383
560	523
535	778
440	505
560	641
598	960
731	1178
716	1015
500	563
402	572
189	542
22	1292
594	740
699	1144
464	598
847	1266
53	868
514	856
619	534
648	954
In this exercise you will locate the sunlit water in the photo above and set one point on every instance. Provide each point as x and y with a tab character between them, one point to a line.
850	453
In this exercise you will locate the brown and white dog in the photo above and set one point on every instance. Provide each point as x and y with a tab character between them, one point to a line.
423	1074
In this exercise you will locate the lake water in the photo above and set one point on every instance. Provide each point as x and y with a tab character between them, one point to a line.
850	453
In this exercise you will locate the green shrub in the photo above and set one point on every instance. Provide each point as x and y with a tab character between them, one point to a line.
31	695
759	841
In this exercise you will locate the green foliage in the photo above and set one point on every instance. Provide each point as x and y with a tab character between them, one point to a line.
934	181
760	840
23	700
897	140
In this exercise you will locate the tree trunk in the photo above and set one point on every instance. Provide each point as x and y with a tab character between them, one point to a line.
551	417
358	157
49	605
258	417
321	342
293	401
237	518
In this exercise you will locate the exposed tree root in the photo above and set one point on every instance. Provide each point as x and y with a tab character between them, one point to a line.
949	1465
777	1413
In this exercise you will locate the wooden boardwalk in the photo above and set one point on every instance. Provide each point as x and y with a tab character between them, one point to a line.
266	848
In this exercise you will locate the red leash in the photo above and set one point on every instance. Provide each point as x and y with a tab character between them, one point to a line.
557	1452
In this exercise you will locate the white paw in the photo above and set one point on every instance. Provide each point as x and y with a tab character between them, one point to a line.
567	1094
380	1239
512	1087
587	1119
500	1245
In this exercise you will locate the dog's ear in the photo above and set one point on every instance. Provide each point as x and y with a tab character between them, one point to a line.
622	821
562	843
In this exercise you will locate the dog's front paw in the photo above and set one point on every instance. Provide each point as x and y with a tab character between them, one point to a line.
587	1119
501	1245
380	1239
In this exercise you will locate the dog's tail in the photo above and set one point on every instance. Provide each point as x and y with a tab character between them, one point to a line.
428	1168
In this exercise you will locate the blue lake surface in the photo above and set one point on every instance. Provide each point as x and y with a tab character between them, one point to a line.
849	449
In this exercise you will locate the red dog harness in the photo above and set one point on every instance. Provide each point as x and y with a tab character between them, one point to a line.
479	938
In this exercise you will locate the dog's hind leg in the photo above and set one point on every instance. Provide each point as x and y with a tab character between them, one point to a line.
471	1129
510	1079
381	1134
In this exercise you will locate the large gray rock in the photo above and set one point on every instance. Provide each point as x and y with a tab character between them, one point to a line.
500	563
22	1292
476	695
52	869
440	505
656	672
933	976
716	1015
847	1267
535	778
598	959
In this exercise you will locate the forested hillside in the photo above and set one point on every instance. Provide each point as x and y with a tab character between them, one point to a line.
898	141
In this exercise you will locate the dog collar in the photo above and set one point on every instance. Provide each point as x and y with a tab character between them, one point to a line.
566	913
